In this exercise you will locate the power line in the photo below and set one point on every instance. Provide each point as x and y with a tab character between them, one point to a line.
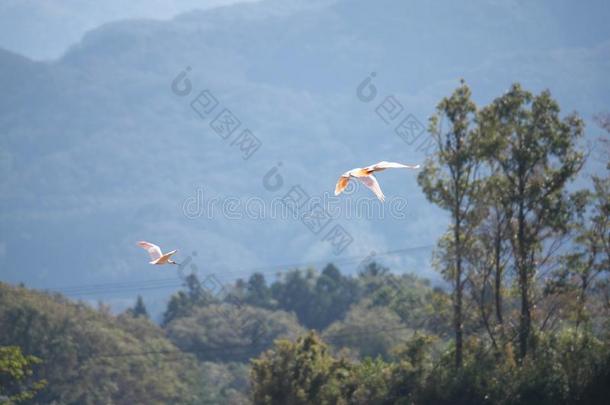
152	284
128	290
113	284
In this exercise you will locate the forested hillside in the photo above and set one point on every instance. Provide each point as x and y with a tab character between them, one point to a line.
202	351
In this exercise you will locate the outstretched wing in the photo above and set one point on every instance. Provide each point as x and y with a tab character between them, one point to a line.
153	250
390	165
371	183
341	184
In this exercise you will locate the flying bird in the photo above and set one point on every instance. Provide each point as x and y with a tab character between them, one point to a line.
365	176
156	255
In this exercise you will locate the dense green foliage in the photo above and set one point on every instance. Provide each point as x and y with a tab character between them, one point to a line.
86	354
569	368
15	371
91	356
201	353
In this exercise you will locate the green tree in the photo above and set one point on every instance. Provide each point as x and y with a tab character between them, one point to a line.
535	152
16	372
139	308
224	332
219	383
298	373
370	382
258	294
369	331
182	303
294	292
450	180
372	277
590	256
334	295
487	254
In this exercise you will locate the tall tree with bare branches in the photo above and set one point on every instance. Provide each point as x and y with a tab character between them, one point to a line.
535	151
450	180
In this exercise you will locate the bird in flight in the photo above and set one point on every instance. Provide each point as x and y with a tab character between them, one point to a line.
156	255
365	176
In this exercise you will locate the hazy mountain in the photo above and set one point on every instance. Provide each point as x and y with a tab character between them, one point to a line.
43	30
97	151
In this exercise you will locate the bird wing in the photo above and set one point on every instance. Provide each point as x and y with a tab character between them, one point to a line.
168	254
372	183
390	165
341	184
358	172
153	250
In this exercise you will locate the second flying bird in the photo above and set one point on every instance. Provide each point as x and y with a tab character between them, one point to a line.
365	176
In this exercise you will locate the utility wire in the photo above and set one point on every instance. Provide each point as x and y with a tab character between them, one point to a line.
165	283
